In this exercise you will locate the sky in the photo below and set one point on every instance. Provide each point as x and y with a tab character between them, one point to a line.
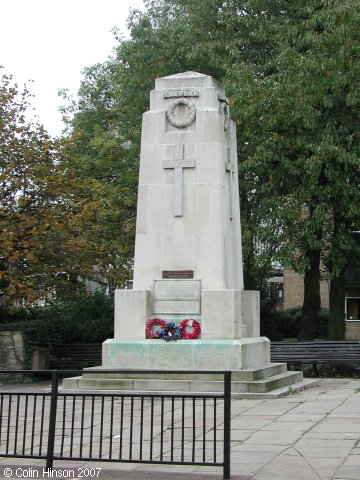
51	41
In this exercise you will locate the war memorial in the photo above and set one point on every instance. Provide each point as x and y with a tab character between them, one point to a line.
188	309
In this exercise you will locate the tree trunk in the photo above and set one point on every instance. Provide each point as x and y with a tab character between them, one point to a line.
250	281
336	327
249	277
312	302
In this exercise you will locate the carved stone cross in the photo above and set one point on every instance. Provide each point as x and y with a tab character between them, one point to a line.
230	168
178	164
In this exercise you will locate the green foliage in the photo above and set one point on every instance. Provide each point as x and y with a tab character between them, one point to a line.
285	324
57	218
83	318
35	200
270	321
12	315
9	379
289	320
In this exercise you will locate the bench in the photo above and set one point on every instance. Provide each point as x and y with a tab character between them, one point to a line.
315	352
75	356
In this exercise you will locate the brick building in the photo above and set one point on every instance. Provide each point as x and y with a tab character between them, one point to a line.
293	296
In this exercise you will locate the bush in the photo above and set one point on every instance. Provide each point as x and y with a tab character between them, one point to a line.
270	326
280	324
83	319
289	320
11	315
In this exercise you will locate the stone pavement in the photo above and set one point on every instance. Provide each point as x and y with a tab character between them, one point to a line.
310	435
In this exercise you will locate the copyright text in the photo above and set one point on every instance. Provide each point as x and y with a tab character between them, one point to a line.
30	472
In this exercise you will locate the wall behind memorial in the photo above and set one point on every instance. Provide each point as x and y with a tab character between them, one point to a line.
11	349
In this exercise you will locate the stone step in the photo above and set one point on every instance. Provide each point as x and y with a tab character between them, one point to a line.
276	393
259	373
279	392
276	381
244	375
149	385
189	385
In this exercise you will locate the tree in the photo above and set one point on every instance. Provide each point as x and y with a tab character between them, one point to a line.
298	114
290	70
310	119
106	156
33	207
49	210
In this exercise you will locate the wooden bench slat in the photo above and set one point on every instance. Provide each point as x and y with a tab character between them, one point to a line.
316	352
76	355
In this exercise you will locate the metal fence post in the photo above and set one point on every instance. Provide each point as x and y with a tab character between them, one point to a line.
52	420
227	423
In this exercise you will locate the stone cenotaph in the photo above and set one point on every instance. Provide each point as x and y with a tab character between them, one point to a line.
188	253
188	257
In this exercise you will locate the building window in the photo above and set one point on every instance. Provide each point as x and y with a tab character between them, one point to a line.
352	308
276	288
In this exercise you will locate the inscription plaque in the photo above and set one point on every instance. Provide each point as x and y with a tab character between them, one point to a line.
177	306
177	296
177	290
178	274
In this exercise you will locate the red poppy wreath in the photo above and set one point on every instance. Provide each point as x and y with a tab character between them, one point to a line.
151	323
190	322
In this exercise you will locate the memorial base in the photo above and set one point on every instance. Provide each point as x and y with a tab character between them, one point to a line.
245	353
137	367
227	313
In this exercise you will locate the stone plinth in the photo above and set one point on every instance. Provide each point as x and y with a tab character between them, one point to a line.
247	353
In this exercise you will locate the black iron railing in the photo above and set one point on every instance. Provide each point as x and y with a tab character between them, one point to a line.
178	428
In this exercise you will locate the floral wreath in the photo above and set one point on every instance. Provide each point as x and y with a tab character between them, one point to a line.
172	331
190	322
150	333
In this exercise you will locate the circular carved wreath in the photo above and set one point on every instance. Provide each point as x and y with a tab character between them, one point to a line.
190	322
150	333
170	112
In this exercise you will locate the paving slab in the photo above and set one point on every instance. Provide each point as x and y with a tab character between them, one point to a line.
265	437
311	435
348	472
353	459
291	467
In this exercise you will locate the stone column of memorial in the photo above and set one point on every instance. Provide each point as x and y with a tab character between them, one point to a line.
188	257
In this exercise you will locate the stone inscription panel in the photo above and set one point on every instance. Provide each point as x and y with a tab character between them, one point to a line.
177	290
177	306
177	297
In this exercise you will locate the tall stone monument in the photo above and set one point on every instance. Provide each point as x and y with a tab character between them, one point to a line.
188	256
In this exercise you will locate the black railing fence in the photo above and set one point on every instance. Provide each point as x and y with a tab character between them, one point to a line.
181	429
